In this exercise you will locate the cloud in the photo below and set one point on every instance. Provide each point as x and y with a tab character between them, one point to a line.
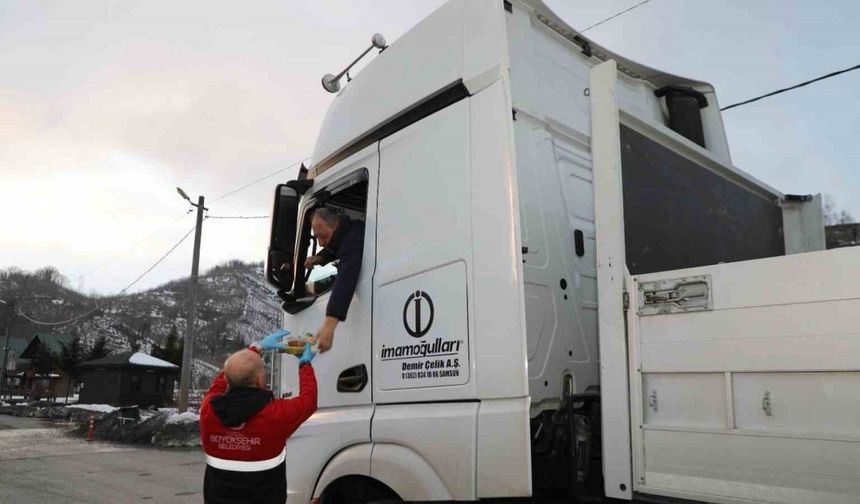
105	107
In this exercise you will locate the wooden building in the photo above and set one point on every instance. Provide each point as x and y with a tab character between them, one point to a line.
127	379
40	378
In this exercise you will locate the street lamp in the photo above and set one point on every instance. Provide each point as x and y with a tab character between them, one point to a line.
11	306
187	347
182	193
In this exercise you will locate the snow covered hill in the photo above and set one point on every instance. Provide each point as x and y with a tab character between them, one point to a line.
234	307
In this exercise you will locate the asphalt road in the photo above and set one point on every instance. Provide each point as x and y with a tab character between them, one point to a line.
39	464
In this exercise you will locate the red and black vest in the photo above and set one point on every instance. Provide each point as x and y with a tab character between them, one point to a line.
244	433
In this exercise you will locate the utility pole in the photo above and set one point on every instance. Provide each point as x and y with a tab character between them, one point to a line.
188	344
11	306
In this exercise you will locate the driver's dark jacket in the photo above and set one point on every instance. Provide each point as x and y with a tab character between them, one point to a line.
346	246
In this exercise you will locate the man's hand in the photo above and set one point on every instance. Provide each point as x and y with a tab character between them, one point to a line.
313	261
273	341
307	356
325	334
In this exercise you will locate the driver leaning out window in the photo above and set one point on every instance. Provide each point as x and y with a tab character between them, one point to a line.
342	240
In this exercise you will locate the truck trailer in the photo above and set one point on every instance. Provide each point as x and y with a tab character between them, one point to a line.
567	291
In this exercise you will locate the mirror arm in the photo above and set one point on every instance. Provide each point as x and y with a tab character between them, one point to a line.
300	186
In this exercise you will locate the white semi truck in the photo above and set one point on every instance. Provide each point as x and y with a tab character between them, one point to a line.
567	288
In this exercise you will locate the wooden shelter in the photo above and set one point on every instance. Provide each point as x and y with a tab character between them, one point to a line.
127	379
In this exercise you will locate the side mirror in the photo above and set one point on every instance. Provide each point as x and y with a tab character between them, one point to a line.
282	239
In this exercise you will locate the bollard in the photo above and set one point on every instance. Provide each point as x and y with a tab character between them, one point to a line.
91	428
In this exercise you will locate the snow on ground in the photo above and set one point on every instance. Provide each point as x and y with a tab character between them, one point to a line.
182	418
147	414
71	399
102	408
142	359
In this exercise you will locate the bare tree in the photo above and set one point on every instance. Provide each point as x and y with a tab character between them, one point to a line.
833	215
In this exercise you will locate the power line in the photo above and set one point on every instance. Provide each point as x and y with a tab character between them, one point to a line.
610	18
120	293
127	287
147	237
237	216
249	184
64	322
121	252
783	90
229	193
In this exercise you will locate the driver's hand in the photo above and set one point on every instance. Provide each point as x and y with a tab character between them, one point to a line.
325	335
312	261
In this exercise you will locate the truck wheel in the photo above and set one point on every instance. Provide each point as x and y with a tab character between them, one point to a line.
358	490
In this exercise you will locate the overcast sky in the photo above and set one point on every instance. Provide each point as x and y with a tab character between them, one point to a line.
106	106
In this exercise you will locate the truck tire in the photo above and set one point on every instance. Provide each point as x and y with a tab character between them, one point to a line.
358	490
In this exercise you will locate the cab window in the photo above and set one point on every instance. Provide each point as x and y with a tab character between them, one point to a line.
348	198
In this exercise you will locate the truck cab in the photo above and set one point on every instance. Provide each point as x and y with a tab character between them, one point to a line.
513	177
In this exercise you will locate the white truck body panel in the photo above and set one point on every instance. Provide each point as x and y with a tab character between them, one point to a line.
353	461
314	449
462	40
501	424
611	274
756	399
408	473
804	224
433	431
539	42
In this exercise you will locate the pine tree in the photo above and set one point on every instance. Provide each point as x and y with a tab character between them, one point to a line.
43	360
172	349
99	349
70	356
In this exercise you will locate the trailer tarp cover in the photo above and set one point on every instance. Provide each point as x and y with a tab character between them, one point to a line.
678	214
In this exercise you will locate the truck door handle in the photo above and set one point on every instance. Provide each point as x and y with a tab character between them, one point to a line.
353	379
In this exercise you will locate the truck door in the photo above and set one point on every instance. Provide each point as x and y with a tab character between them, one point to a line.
343	373
421	322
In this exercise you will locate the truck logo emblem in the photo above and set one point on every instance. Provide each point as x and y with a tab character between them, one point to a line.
419	327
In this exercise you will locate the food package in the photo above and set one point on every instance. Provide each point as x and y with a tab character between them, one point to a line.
296	346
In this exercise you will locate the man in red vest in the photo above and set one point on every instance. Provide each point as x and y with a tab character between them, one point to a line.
244	429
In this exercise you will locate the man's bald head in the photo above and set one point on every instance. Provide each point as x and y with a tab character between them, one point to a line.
245	369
